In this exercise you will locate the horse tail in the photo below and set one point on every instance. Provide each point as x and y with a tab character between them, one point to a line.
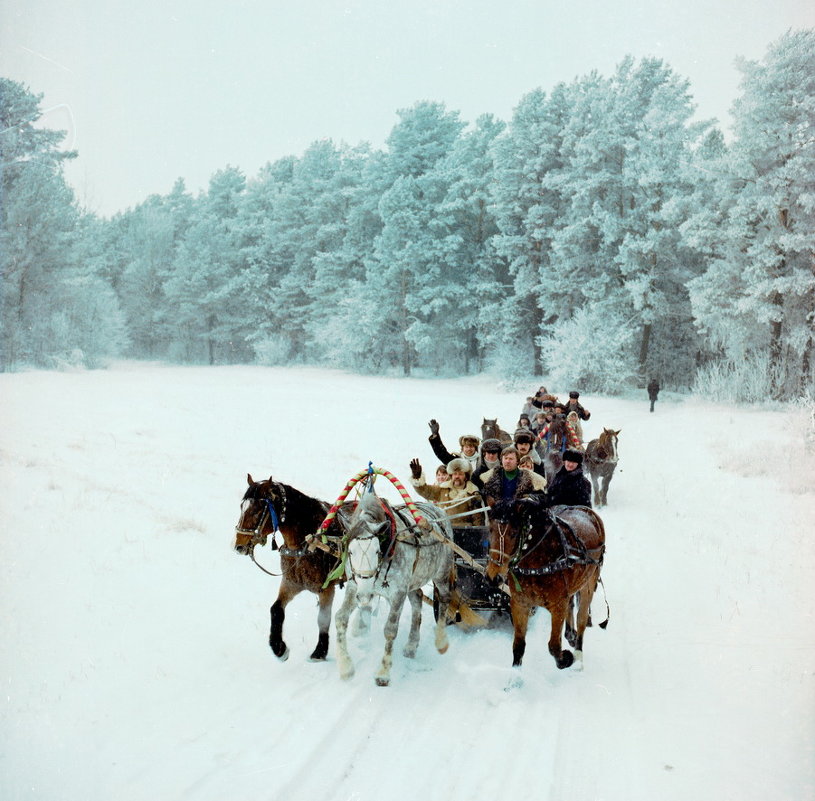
604	624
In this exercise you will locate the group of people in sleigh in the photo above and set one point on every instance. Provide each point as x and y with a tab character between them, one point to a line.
495	473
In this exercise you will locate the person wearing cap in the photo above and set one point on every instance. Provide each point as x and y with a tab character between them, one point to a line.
505	484
541	396
574	406
524	440
489	458
468	444
456	495
570	487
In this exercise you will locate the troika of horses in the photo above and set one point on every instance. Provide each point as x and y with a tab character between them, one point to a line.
506	525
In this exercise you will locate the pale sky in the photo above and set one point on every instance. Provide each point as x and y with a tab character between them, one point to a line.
154	90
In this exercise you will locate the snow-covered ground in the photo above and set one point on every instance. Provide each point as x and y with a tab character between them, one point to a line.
135	662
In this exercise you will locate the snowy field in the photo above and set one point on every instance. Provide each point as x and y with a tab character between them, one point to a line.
135	663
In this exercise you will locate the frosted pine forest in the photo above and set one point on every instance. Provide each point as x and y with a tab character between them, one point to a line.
600	236
312	317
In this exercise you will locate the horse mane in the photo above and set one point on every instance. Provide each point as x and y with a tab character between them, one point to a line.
299	507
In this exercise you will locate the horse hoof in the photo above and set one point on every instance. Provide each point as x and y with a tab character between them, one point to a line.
382	681
284	656
566	660
409	653
315	657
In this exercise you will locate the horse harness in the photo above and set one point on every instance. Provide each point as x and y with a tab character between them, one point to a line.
574	549
387	539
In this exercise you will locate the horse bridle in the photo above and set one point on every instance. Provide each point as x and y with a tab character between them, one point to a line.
269	512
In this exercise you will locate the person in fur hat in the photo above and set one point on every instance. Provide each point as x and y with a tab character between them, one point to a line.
505	484
574	406
468	443
456	495
524	440
569	486
489	458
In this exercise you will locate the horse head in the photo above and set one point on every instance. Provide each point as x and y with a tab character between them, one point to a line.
608	444
368	528
489	428
262	509
507	520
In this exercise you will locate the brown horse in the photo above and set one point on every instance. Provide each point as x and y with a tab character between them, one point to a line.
491	430
601	462
270	506
550	557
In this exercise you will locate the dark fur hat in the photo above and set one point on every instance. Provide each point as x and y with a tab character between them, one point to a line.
574	394
570	455
491	444
524	435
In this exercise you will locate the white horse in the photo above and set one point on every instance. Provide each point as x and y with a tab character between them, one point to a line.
416	558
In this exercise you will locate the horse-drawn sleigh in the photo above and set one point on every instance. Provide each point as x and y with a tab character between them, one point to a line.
375	548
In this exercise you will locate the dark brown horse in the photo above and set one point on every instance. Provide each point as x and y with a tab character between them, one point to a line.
491	430
270	506
548	557
601	462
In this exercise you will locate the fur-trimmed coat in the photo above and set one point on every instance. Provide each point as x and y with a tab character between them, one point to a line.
493	485
447	492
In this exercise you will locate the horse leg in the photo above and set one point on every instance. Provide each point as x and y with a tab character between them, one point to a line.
520	621
595	486
444	594
344	663
397	601
604	489
278	615
362	621
326	599
583	620
563	658
415	598
571	634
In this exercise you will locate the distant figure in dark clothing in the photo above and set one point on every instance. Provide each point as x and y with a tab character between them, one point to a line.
570	487
653	391
574	405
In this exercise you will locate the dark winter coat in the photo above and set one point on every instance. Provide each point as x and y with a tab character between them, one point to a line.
569	488
495	484
481	468
444	456
653	389
575	406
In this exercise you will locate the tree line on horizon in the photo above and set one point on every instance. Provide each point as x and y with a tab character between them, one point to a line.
598	238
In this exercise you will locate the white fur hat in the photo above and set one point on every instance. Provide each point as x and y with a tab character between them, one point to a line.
459	464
